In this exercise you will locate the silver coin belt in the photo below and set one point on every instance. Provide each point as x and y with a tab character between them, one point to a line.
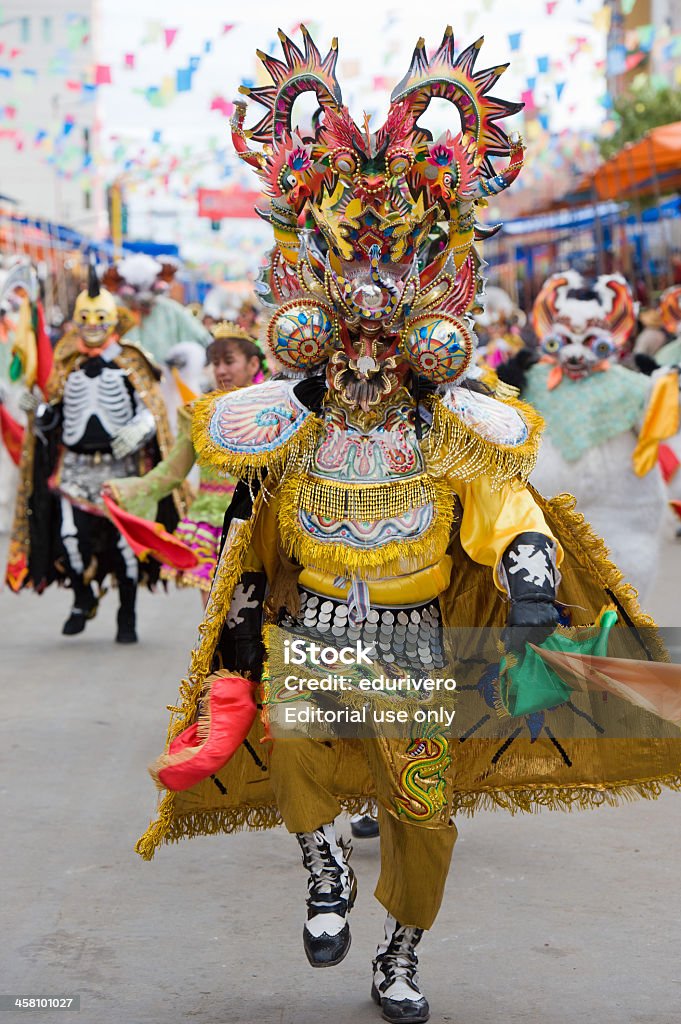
83	474
407	637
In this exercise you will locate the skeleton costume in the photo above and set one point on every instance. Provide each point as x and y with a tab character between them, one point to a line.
603	420
104	416
382	497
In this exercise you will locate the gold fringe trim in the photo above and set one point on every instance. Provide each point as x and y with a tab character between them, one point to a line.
171	829
362	503
296	453
529	799
226	578
522	799
395	557
455	450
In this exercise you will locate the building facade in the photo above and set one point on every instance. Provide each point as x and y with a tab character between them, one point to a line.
48	129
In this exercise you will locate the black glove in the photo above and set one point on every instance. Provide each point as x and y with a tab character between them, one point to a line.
530	575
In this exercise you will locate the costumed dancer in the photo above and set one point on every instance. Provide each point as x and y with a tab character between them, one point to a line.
236	361
104	416
249	315
499	328
604	422
652	335
141	282
649	361
669	309
21	331
382	496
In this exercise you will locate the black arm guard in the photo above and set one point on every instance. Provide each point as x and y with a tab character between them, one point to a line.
531	577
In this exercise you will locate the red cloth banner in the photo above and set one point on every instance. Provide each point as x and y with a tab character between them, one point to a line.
12	434
216	204
149	539
44	353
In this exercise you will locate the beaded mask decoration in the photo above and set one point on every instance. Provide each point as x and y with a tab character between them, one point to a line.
374	274
582	326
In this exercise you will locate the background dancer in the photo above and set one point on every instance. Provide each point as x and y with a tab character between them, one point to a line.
235	361
104	415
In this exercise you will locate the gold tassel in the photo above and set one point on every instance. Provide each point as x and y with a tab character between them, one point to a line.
296	453
455	450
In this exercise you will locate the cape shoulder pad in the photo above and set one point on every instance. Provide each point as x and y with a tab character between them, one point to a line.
264	426
475	434
485	415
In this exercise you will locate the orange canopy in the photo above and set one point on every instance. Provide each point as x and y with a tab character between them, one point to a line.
647	167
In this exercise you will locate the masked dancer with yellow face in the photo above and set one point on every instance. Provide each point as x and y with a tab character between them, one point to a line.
104	416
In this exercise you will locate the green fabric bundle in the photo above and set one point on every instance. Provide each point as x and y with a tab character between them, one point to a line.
527	684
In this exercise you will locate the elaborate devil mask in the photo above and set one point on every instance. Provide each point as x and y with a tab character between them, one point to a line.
374	273
582	326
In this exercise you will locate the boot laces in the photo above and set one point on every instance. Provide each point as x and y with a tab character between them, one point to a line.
326	882
400	960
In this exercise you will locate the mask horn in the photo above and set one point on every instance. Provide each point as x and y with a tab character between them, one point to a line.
92	278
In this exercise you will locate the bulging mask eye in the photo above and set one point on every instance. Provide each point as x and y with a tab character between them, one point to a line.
552	344
344	162
601	347
287	180
399	164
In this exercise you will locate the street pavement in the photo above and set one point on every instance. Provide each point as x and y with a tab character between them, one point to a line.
548	919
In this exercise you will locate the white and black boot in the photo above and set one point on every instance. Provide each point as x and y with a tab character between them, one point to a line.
396	982
331	891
